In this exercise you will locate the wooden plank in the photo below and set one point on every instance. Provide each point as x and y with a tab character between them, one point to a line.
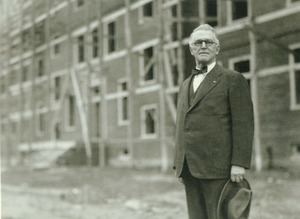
166	24
171	106
82	116
102	88
128	42
104	126
201	11
254	94
168	69
251	27
162	110
87	107
180	53
149	65
57	113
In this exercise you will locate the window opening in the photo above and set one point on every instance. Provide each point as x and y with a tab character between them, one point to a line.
295	148
242	66
148	9
12	77
24	73
296	54
174	24
41	125
71	110
95	43
97	119
80	3
2	84
56	48
111	37
57	85
40	68
124	102
81	57
148	64
297	81
239	9
211	12
57	131
39	33
150	121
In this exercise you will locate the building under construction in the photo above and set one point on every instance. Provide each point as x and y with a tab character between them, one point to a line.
96	81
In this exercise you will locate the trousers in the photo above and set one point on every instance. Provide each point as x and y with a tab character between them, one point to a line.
202	195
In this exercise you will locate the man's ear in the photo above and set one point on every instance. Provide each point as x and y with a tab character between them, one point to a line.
218	49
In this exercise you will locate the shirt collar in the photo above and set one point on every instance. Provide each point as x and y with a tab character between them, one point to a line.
209	67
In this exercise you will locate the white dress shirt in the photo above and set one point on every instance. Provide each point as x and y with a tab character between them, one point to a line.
197	80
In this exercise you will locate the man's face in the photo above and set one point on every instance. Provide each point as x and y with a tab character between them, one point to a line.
204	47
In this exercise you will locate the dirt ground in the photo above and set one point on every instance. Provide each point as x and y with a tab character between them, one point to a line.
91	194
21	206
81	193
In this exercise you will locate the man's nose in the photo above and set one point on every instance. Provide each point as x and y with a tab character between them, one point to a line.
203	44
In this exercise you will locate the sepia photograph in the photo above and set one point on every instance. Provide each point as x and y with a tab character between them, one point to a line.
150	109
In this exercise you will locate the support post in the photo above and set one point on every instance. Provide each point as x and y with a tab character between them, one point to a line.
82	116
72	73
180	52
102	87
254	94
201	7
162	101
130	82
257	147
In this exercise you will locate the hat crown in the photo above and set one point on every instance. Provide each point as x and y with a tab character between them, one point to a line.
235	200
238	204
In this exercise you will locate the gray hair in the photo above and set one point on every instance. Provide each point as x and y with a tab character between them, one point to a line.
206	27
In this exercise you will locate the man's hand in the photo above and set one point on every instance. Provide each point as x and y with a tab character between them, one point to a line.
237	173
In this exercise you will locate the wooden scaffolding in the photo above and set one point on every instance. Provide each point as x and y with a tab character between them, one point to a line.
170	61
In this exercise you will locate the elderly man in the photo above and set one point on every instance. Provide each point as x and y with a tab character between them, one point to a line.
214	129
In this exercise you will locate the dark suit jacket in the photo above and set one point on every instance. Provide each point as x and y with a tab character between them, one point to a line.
216	131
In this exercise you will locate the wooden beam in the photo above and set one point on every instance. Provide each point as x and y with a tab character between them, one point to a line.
102	88
128	42
21	109
168	69
82	116
166	22
180	52
201	7
88	106
253	29
171	106
254	94
56	113
172	56
104	127
149	65
161	78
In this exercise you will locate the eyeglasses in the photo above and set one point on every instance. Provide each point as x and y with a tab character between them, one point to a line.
199	43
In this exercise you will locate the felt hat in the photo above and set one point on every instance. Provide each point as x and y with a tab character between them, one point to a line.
235	200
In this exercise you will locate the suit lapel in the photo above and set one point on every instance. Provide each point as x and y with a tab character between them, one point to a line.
210	81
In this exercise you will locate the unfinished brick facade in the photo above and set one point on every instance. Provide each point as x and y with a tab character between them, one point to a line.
104	75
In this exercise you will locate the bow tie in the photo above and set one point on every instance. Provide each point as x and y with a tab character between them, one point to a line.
202	71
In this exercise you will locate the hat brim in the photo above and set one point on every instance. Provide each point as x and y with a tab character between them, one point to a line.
230	189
